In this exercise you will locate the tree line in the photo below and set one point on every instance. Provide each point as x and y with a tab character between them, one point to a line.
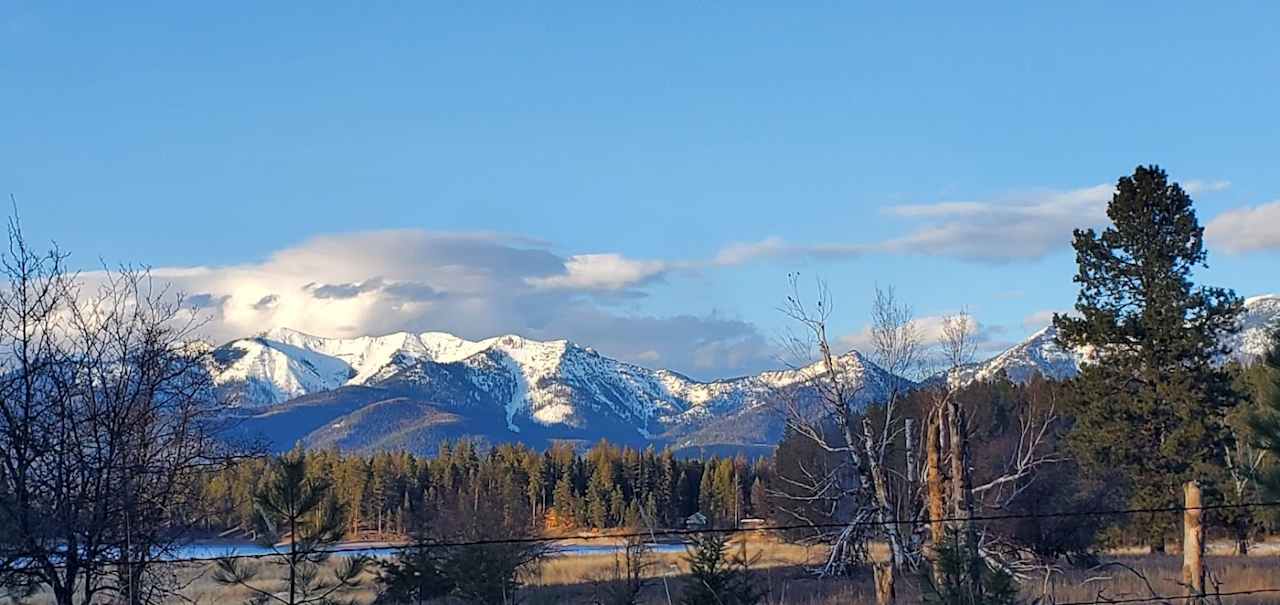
561	488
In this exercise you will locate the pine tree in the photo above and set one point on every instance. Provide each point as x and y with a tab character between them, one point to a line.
1265	425
562	498
537	483
716	577
617	507
304	511
412	576
598	493
684	501
707	491
957	586
1150	408
760	500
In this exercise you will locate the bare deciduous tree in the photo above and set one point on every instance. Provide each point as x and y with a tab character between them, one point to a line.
838	426
631	573
876	474
951	489
106	419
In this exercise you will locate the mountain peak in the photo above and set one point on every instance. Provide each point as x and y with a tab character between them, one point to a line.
510	385
1039	354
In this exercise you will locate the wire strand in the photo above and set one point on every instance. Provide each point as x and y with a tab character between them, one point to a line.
421	544
1108	601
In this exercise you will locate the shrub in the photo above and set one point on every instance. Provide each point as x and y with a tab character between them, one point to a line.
715	577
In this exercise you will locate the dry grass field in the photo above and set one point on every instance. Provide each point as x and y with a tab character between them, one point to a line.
781	569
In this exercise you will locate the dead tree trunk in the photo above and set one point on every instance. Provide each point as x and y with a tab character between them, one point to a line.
884	506
1242	543
934	486
909	435
1192	540
962	491
911	494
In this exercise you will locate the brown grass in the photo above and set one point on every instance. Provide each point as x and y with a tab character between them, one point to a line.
782	569
1163	573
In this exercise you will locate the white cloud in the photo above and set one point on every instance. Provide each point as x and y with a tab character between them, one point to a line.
1014	228
1028	227
1042	318
1025	227
601	272
987	339
776	247
1195	186
1247	229
742	253
649	356
473	285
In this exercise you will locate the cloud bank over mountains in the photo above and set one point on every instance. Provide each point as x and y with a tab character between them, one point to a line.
475	285
1019	228
1024	227
478	285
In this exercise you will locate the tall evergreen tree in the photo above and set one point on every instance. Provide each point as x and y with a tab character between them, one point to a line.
1265	425
565	504
707	490
1150	406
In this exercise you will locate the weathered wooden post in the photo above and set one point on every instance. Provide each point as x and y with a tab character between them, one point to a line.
1192	540
885	593
934	486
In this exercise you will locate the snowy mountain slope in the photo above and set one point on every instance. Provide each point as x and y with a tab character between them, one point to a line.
1261	316
257	371
282	364
540	390
1040	354
729	397
1037	355
753	411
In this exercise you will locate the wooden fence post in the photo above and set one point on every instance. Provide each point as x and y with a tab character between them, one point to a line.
1192	540
934	488
885	593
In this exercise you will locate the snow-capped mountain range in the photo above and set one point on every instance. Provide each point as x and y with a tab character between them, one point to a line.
411	390
507	387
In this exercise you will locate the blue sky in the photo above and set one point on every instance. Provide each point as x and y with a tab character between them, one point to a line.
638	178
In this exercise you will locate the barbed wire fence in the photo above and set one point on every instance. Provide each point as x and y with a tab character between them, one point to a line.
653	535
